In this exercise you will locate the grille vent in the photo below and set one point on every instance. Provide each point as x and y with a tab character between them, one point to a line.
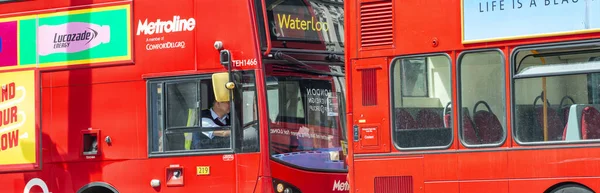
376	21
369	87
394	184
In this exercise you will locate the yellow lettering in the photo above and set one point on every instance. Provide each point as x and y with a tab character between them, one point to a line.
298	23
303	25
283	21
286	21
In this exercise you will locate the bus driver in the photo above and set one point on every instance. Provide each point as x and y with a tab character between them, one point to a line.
216	116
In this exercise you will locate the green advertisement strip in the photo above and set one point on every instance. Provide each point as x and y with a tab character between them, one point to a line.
27	38
87	36
82	36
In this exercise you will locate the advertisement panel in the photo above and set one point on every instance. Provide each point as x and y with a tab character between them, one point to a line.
19	133
86	36
485	21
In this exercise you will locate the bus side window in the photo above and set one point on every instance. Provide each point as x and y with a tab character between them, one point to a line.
556	95
421	90
181	101
481	88
175	116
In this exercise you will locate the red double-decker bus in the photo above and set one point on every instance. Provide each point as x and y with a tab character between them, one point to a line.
473	96
107	96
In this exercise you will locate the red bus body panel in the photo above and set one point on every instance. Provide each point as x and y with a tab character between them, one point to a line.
109	98
425	27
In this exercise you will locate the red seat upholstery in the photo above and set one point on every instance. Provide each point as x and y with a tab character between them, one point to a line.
429	119
590	123
448	120
488	127
469	134
403	120
555	126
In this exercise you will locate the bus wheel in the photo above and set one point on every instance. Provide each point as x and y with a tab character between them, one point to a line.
97	187
571	188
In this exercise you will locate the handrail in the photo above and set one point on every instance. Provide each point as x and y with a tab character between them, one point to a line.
266	22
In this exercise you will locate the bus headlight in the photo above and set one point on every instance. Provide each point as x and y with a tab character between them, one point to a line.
284	187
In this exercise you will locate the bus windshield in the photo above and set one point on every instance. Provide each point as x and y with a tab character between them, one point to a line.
306	118
306	24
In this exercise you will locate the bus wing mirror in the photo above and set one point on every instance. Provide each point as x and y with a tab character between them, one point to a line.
225	58
221	86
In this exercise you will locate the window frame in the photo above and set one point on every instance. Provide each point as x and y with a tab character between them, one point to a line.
393	103
164	81
513	73
459	101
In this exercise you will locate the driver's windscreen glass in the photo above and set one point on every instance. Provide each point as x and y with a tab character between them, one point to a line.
320	23
306	115
245	104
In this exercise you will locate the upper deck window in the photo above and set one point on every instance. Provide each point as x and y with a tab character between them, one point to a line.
557	94
307	24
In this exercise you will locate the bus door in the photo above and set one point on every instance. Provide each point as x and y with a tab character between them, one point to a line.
246	143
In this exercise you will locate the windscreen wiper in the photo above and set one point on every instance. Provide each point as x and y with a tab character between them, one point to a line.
290	68
307	68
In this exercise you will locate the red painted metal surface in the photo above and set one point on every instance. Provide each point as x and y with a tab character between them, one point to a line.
425	27
111	100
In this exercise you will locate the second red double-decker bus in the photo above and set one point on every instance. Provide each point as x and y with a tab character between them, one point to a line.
108	96
473	96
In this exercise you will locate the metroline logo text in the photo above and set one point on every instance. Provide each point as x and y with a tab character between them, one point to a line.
158	27
338	185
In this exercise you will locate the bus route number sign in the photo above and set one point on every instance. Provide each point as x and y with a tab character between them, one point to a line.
202	170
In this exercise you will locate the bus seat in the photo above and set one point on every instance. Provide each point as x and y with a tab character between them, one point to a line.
555	126
590	123
427	118
577	125
565	115
565	109
487	125
469	133
403	120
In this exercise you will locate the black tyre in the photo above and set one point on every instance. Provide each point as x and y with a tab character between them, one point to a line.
571	188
